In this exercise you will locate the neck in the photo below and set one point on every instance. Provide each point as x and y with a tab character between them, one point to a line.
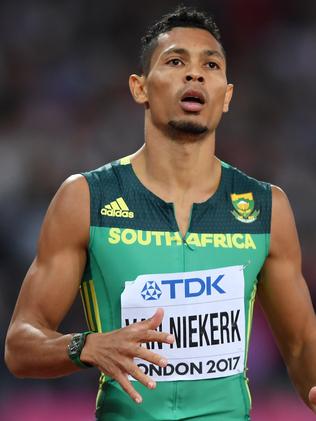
172	168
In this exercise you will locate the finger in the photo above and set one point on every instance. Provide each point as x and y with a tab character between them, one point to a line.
154	321
139	375
154	336
128	387
312	395
151	357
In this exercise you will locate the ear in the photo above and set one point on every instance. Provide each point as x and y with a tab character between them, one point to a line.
228	97
138	88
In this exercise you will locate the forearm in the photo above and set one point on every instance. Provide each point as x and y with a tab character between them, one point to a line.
37	352
302	369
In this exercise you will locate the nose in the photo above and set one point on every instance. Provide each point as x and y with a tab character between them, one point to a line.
192	77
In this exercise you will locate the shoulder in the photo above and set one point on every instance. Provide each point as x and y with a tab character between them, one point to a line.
105	172
284	237
282	214
281	207
250	199
74	183
243	187
242	181
279	198
73	190
68	214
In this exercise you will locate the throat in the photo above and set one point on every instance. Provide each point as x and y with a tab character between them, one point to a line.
182	215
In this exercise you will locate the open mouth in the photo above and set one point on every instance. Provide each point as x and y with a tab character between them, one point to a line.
193	98
192	101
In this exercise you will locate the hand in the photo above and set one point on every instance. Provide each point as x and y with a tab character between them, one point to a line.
113	353
312	398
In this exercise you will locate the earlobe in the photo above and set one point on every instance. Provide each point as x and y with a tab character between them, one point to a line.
138	88
228	97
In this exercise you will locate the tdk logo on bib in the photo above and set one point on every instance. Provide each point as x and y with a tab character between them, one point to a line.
194	287
189	287
151	291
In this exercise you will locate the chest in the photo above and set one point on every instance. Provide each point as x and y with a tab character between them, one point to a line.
156	236
135	233
182	214
151	242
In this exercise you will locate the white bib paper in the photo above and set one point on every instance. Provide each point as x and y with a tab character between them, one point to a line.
204	311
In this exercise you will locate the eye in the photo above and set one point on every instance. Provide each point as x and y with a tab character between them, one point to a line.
212	65
175	62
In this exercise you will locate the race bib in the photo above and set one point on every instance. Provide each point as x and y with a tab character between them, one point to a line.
204	311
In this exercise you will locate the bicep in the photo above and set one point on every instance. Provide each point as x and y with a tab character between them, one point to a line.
52	282
282	290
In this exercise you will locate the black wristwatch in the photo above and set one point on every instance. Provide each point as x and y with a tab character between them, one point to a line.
75	347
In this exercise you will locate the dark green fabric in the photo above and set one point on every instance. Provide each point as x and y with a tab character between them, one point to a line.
151	213
122	248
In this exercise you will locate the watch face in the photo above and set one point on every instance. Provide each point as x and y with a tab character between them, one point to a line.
75	346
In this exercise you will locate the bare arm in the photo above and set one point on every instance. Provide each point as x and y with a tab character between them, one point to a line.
34	347
286	301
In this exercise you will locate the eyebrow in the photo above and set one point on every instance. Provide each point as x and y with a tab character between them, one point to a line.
184	51
214	53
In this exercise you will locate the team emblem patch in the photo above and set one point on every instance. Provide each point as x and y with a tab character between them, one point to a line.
244	207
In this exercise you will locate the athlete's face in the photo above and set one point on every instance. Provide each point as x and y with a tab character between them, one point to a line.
186	85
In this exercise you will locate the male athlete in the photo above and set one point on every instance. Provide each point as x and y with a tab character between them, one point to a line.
168	247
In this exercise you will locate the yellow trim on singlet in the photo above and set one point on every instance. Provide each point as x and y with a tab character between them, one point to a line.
95	306
248	391
87	306
250	314
249	324
125	160
84	307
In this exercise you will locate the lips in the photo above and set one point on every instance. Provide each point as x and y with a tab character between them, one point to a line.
192	101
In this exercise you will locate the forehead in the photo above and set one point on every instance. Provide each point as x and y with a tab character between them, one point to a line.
191	39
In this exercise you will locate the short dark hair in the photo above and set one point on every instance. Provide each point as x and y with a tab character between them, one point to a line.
185	17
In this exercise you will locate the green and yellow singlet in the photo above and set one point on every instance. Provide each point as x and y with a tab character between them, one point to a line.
206	283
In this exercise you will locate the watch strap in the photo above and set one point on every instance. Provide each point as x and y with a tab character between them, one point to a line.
75	347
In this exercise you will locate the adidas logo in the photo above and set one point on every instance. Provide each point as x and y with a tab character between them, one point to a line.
118	208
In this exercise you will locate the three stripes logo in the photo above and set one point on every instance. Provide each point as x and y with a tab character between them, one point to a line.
118	208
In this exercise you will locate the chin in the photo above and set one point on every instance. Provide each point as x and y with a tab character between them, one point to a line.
188	127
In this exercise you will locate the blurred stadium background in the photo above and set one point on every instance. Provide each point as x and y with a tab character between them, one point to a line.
65	107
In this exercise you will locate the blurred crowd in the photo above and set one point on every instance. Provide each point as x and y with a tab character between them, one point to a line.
65	108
